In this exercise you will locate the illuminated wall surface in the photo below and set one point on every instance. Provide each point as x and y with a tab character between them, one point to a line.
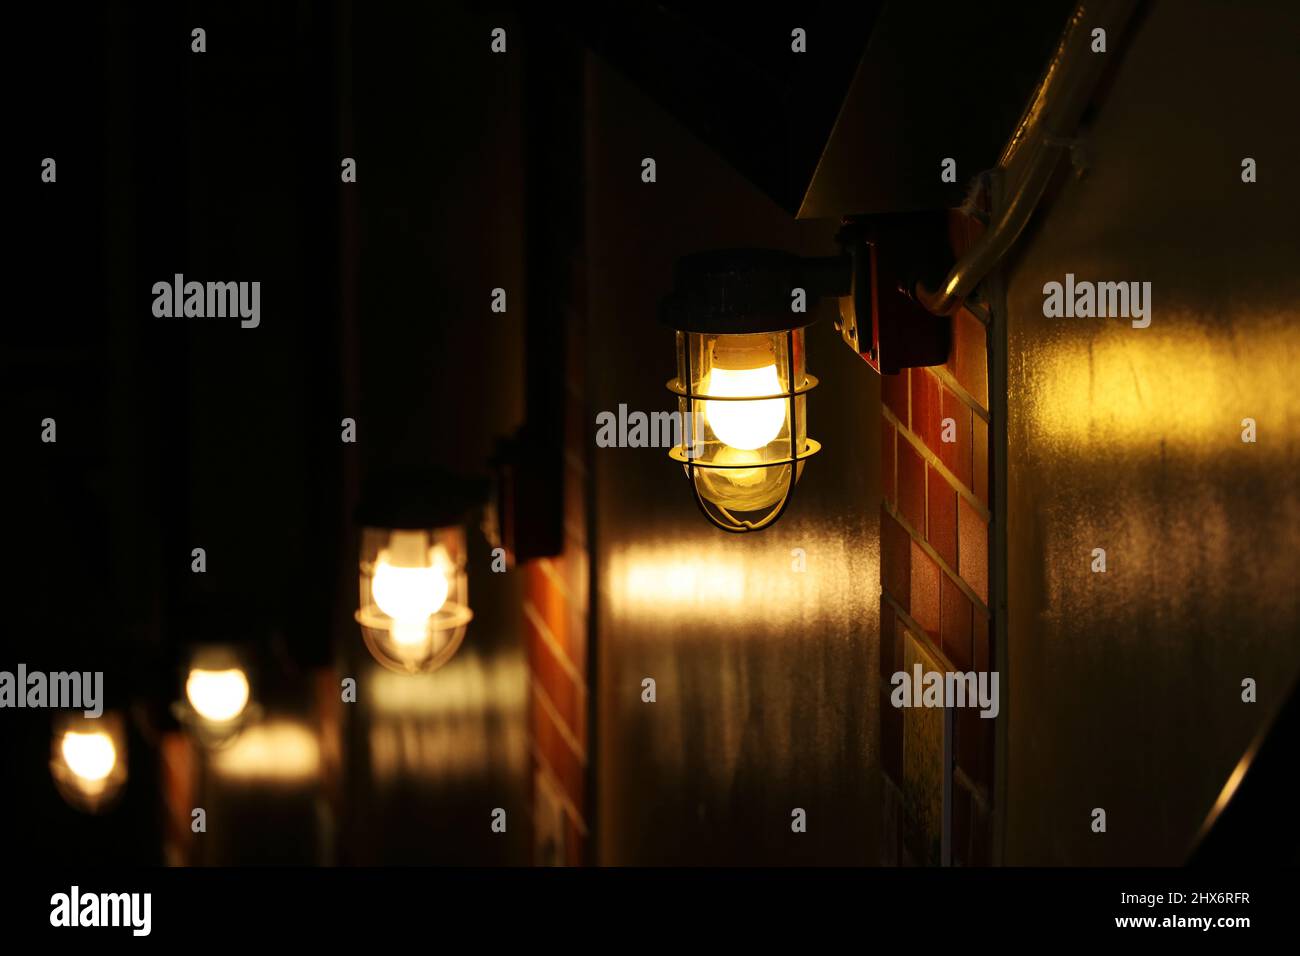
1125	686
765	676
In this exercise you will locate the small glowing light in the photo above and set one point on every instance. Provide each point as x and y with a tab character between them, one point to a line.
88	759
218	696
745	425
91	756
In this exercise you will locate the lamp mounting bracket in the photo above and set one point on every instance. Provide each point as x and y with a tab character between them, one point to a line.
879	318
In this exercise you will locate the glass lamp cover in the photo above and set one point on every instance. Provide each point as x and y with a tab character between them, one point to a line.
414	602
740	428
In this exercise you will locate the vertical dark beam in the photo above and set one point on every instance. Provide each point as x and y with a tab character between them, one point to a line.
343	632
317	154
349	336
553	231
160	91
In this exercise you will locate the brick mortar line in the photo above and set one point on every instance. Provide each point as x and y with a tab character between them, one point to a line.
570	738
566	801
958	389
886	688
943	565
531	612
554	577
921	633
926	454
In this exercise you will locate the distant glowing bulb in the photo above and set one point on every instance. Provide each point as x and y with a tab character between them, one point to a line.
745	425
217	695
90	756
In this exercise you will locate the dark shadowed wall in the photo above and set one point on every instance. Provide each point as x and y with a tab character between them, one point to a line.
1125	686
765	676
177	433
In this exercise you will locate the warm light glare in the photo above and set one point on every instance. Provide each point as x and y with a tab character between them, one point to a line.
689	588
409	585
280	751
1153	391
684	582
745	425
90	756
217	695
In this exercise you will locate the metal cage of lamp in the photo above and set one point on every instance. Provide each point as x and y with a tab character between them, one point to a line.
741	384
414	591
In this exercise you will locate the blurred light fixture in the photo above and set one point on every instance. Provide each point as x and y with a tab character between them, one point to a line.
414	604
88	759
217	704
741	382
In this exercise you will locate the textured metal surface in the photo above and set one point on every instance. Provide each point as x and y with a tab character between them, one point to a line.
766	676
1125	687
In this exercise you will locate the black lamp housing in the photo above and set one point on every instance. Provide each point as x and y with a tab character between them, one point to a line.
419	498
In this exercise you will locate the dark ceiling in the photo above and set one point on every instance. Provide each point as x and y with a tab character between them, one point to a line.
860	122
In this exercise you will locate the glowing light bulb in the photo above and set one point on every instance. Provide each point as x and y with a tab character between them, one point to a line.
408	594
409	585
90	756
217	695
745	425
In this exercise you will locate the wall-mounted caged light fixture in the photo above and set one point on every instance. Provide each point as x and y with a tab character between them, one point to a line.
414	604
741	381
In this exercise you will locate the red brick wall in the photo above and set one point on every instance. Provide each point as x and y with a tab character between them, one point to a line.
935	576
555	629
